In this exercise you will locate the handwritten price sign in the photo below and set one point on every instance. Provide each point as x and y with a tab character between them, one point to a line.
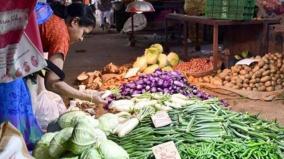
166	150
161	119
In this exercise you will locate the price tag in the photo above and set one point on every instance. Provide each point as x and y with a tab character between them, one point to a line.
161	119
166	150
246	62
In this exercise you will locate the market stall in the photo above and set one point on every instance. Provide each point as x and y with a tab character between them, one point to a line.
154	114
157	108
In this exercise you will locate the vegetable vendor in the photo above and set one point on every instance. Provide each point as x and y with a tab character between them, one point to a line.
67	26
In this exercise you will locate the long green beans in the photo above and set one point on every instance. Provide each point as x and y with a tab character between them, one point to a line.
204	129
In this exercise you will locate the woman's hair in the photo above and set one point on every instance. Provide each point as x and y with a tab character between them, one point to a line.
84	12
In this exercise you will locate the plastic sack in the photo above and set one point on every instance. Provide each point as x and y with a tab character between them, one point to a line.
139	20
12	144
49	107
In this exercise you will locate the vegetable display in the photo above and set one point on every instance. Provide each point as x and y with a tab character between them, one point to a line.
111	76
160	81
154	58
204	123
230	149
80	138
195	66
264	76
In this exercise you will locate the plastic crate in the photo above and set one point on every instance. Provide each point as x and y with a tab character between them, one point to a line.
230	9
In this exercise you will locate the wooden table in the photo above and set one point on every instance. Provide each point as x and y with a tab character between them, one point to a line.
186	19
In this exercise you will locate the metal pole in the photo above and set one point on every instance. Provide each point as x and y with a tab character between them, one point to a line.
132	40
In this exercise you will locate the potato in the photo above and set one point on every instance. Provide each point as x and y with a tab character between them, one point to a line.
239	81
265	60
278	87
257	80
255	69
235	74
228	78
265	79
265	67
261	63
254	89
246	81
248	76
247	68
245	85
258	57
278	81
258	73
251	84
267	84
257	85
261	88
252	81
266	73
269	89
242	77
243	72
273	83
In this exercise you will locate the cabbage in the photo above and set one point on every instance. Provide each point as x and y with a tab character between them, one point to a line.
151	69
162	60
41	148
167	68
108	122
159	47
140	63
70	156
65	120
87	119
173	58
83	137
110	150
58	144
151	55
91	153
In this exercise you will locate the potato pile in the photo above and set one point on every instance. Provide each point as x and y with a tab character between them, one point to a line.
266	75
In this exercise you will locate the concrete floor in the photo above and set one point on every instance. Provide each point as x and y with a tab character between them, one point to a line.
102	48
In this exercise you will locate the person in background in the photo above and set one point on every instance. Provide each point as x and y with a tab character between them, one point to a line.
104	13
57	34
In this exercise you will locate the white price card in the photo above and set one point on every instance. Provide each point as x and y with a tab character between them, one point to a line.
166	150
161	119
246	61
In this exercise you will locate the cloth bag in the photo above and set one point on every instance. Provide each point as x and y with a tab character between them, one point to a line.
12	144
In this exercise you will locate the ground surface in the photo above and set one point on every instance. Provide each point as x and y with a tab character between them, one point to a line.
102	48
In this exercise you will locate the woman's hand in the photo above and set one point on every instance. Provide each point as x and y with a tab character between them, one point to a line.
95	97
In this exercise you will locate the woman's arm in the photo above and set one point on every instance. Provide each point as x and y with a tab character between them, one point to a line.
54	84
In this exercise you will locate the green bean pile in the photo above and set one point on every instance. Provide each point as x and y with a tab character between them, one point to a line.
208	124
230	149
